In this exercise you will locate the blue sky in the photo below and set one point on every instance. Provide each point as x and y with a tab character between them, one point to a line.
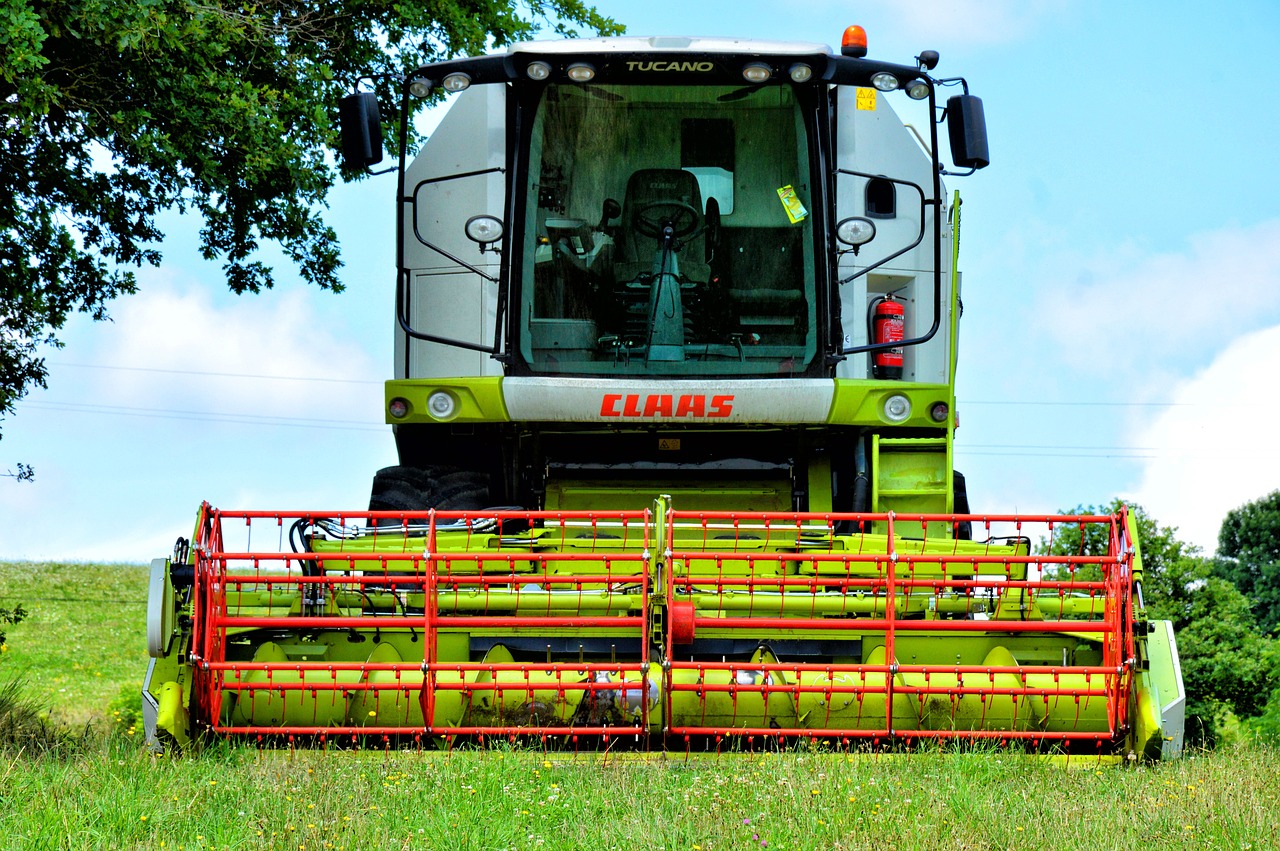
1121	261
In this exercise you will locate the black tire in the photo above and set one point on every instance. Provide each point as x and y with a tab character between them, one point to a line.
402	488
960	503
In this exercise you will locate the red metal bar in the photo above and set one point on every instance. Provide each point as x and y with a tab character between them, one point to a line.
895	575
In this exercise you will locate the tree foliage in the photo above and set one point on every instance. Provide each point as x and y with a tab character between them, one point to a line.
11	617
1249	544
116	110
1227	663
1158	545
1229	668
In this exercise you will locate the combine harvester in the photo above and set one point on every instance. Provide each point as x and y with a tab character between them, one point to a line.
674	405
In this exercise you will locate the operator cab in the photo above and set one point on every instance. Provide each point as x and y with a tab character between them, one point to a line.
666	231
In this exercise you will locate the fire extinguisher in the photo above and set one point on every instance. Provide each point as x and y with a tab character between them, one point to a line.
886	320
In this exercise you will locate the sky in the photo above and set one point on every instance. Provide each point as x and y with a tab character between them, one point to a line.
1121	261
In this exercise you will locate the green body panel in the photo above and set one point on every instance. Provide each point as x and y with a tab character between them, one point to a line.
704	495
861	402
477	399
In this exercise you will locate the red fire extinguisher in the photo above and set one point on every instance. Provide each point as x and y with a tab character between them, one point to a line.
887	321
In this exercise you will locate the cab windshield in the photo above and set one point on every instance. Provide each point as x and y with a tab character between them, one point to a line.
668	232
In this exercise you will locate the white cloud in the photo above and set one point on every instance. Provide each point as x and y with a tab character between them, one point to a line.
1215	447
134	432
1161	315
209	348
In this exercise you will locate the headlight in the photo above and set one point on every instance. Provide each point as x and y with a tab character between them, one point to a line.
580	72
856	231
483	229
456	82
884	81
800	73
442	405
897	408
398	408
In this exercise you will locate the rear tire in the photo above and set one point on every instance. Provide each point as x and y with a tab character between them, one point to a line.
403	488
960	505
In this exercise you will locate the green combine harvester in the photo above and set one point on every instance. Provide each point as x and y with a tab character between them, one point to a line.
674	403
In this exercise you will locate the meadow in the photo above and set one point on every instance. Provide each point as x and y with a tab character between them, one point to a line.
80	655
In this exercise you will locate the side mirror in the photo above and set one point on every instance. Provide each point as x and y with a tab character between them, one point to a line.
361	123
967	126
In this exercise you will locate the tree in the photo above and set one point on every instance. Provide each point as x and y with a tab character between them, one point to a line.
1228	666
1158	545
114	111
1249	544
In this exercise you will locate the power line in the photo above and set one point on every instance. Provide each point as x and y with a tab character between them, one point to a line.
118	368
232	418
260	377
1078	404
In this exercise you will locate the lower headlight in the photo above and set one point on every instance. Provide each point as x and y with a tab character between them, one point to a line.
442	405
897	408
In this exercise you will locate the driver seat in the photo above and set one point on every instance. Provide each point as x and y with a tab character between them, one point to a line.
636	251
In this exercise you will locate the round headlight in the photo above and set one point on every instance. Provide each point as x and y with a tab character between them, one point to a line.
581	72
757	72
442	405
483	229
918	89
538	70
456	82
420	88
856	231
398	408
938	412
897	408
800	73
884	81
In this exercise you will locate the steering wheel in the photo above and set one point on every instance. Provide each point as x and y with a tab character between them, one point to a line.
652	218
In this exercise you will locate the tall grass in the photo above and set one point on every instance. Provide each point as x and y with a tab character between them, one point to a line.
111	793
236	796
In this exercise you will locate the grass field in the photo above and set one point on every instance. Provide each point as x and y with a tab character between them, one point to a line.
83	642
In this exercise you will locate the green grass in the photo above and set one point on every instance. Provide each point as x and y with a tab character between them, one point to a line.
84	636
83	643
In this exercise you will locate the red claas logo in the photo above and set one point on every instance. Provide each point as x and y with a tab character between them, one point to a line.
665	405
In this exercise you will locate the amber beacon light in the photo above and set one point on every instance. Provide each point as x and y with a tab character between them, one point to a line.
854	42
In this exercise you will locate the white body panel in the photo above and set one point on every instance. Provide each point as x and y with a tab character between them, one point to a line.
875	141
644	400
446	299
